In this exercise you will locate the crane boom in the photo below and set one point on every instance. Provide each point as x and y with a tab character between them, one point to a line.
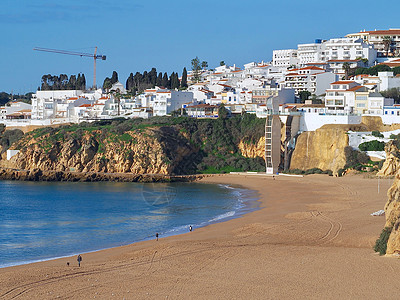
95	56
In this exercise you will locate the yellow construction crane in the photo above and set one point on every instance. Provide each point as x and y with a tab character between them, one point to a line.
95	56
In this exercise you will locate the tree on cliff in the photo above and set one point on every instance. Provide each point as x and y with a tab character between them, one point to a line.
61	82
107	84
223	113
392	93
304	95
184	84
114	77
346	67
196	67
165	81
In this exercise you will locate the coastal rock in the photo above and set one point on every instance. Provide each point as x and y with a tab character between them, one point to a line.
392	213
392	162
323	149
154	151
252	150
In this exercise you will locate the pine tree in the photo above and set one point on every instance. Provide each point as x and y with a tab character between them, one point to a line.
159	79
114	77
196	69
129	82
184	84
153	77
165	80
107	84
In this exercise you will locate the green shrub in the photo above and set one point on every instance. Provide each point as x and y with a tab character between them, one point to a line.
376	133
372	146
381	242
7	138
313	171
296	171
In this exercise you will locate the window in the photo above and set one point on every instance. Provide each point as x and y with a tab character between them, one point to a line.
392	112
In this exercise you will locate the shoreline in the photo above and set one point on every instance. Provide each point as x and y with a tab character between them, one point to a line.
248	206
274	252
59	176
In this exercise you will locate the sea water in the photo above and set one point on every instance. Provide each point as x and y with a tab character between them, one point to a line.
40	221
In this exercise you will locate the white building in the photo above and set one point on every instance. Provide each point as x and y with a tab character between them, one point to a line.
340	97
383	82
44	102
309	53
167	101
312	79
284	59
348	49
388	81
16	110
118	87
376	38
322	51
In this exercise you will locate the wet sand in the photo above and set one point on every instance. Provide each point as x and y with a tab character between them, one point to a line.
312	239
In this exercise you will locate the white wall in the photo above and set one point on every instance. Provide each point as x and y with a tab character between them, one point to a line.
313	121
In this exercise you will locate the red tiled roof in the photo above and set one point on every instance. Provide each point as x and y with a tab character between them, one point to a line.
343	82
355	88
312	68
202	105
384	32
391	64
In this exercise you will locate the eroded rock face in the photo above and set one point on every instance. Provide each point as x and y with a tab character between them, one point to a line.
323	149
392	162
392	213
392	207
253	150
155	151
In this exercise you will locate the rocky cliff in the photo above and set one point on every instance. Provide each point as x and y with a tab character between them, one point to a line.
156	146
392	206
392	162
252	149
151	151
323	149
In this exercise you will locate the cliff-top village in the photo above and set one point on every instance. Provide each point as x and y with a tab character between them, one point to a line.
319	81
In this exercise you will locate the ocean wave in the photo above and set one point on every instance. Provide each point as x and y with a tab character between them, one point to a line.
223	216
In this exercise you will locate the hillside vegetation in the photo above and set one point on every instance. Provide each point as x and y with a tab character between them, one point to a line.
163	145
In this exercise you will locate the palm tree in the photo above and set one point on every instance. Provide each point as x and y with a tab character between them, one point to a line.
346	68
387	41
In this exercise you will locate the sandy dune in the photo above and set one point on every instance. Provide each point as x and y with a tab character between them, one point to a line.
312	239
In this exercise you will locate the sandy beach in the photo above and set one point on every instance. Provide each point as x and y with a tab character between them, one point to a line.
311	239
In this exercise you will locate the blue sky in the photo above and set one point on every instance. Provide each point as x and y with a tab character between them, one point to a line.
139	35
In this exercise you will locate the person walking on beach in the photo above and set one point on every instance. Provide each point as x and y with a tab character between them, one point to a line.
190	228
79	259
157	236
